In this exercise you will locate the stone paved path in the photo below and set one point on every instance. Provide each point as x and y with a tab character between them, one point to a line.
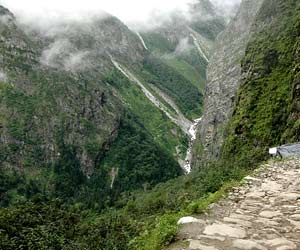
264	214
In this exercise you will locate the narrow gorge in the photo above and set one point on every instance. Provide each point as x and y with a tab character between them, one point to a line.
147	126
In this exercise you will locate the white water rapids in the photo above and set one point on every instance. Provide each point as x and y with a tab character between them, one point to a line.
189	155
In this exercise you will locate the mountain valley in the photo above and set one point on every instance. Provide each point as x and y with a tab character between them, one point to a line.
109	133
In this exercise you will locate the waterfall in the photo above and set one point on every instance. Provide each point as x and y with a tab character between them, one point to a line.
142	40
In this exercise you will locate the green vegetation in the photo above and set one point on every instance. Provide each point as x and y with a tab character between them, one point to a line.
144	220
138	163
209	28
193	58
187	71
266	112
164	132
157	43
53	225
181	90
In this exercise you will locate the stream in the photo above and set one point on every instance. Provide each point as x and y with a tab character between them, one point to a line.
189	155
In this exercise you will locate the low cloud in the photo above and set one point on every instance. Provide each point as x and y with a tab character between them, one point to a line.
57	50
227	8
62	54
77	61
136	14
3	77
6	19
183	46
128	11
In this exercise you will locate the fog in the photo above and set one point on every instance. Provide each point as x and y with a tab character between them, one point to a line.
126	10
129	11
3	77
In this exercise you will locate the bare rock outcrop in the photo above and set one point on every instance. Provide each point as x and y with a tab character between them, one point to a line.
224	77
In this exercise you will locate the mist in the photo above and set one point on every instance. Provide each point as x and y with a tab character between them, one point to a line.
3	77
227	8
128	11
131	12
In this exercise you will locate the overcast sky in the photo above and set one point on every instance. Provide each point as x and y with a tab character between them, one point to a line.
127	10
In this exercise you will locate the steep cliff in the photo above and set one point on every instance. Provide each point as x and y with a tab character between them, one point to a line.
224	78
266	110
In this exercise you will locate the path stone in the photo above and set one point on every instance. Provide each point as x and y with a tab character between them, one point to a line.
295	217
296	224
240	222
284	248
270	214
225	230
241	217
281	242
256	195
197	245
248	245
266	222
271	186
290	196
207	237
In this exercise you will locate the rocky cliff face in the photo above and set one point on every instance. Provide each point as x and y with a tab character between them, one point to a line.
266	111
224	78
53	93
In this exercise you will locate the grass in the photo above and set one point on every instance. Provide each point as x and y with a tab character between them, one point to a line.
166	228
165	133
187	71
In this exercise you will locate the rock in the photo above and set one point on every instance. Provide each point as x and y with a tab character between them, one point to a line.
238	221
225	230
281	242
249	178
296	225
224	78
187	220
207	237
248	245
295	217
290	208
270	214
271	186
241	216
267	222
198	245
256	195
290	196
284	248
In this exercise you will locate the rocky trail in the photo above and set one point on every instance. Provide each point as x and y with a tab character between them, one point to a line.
262	214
